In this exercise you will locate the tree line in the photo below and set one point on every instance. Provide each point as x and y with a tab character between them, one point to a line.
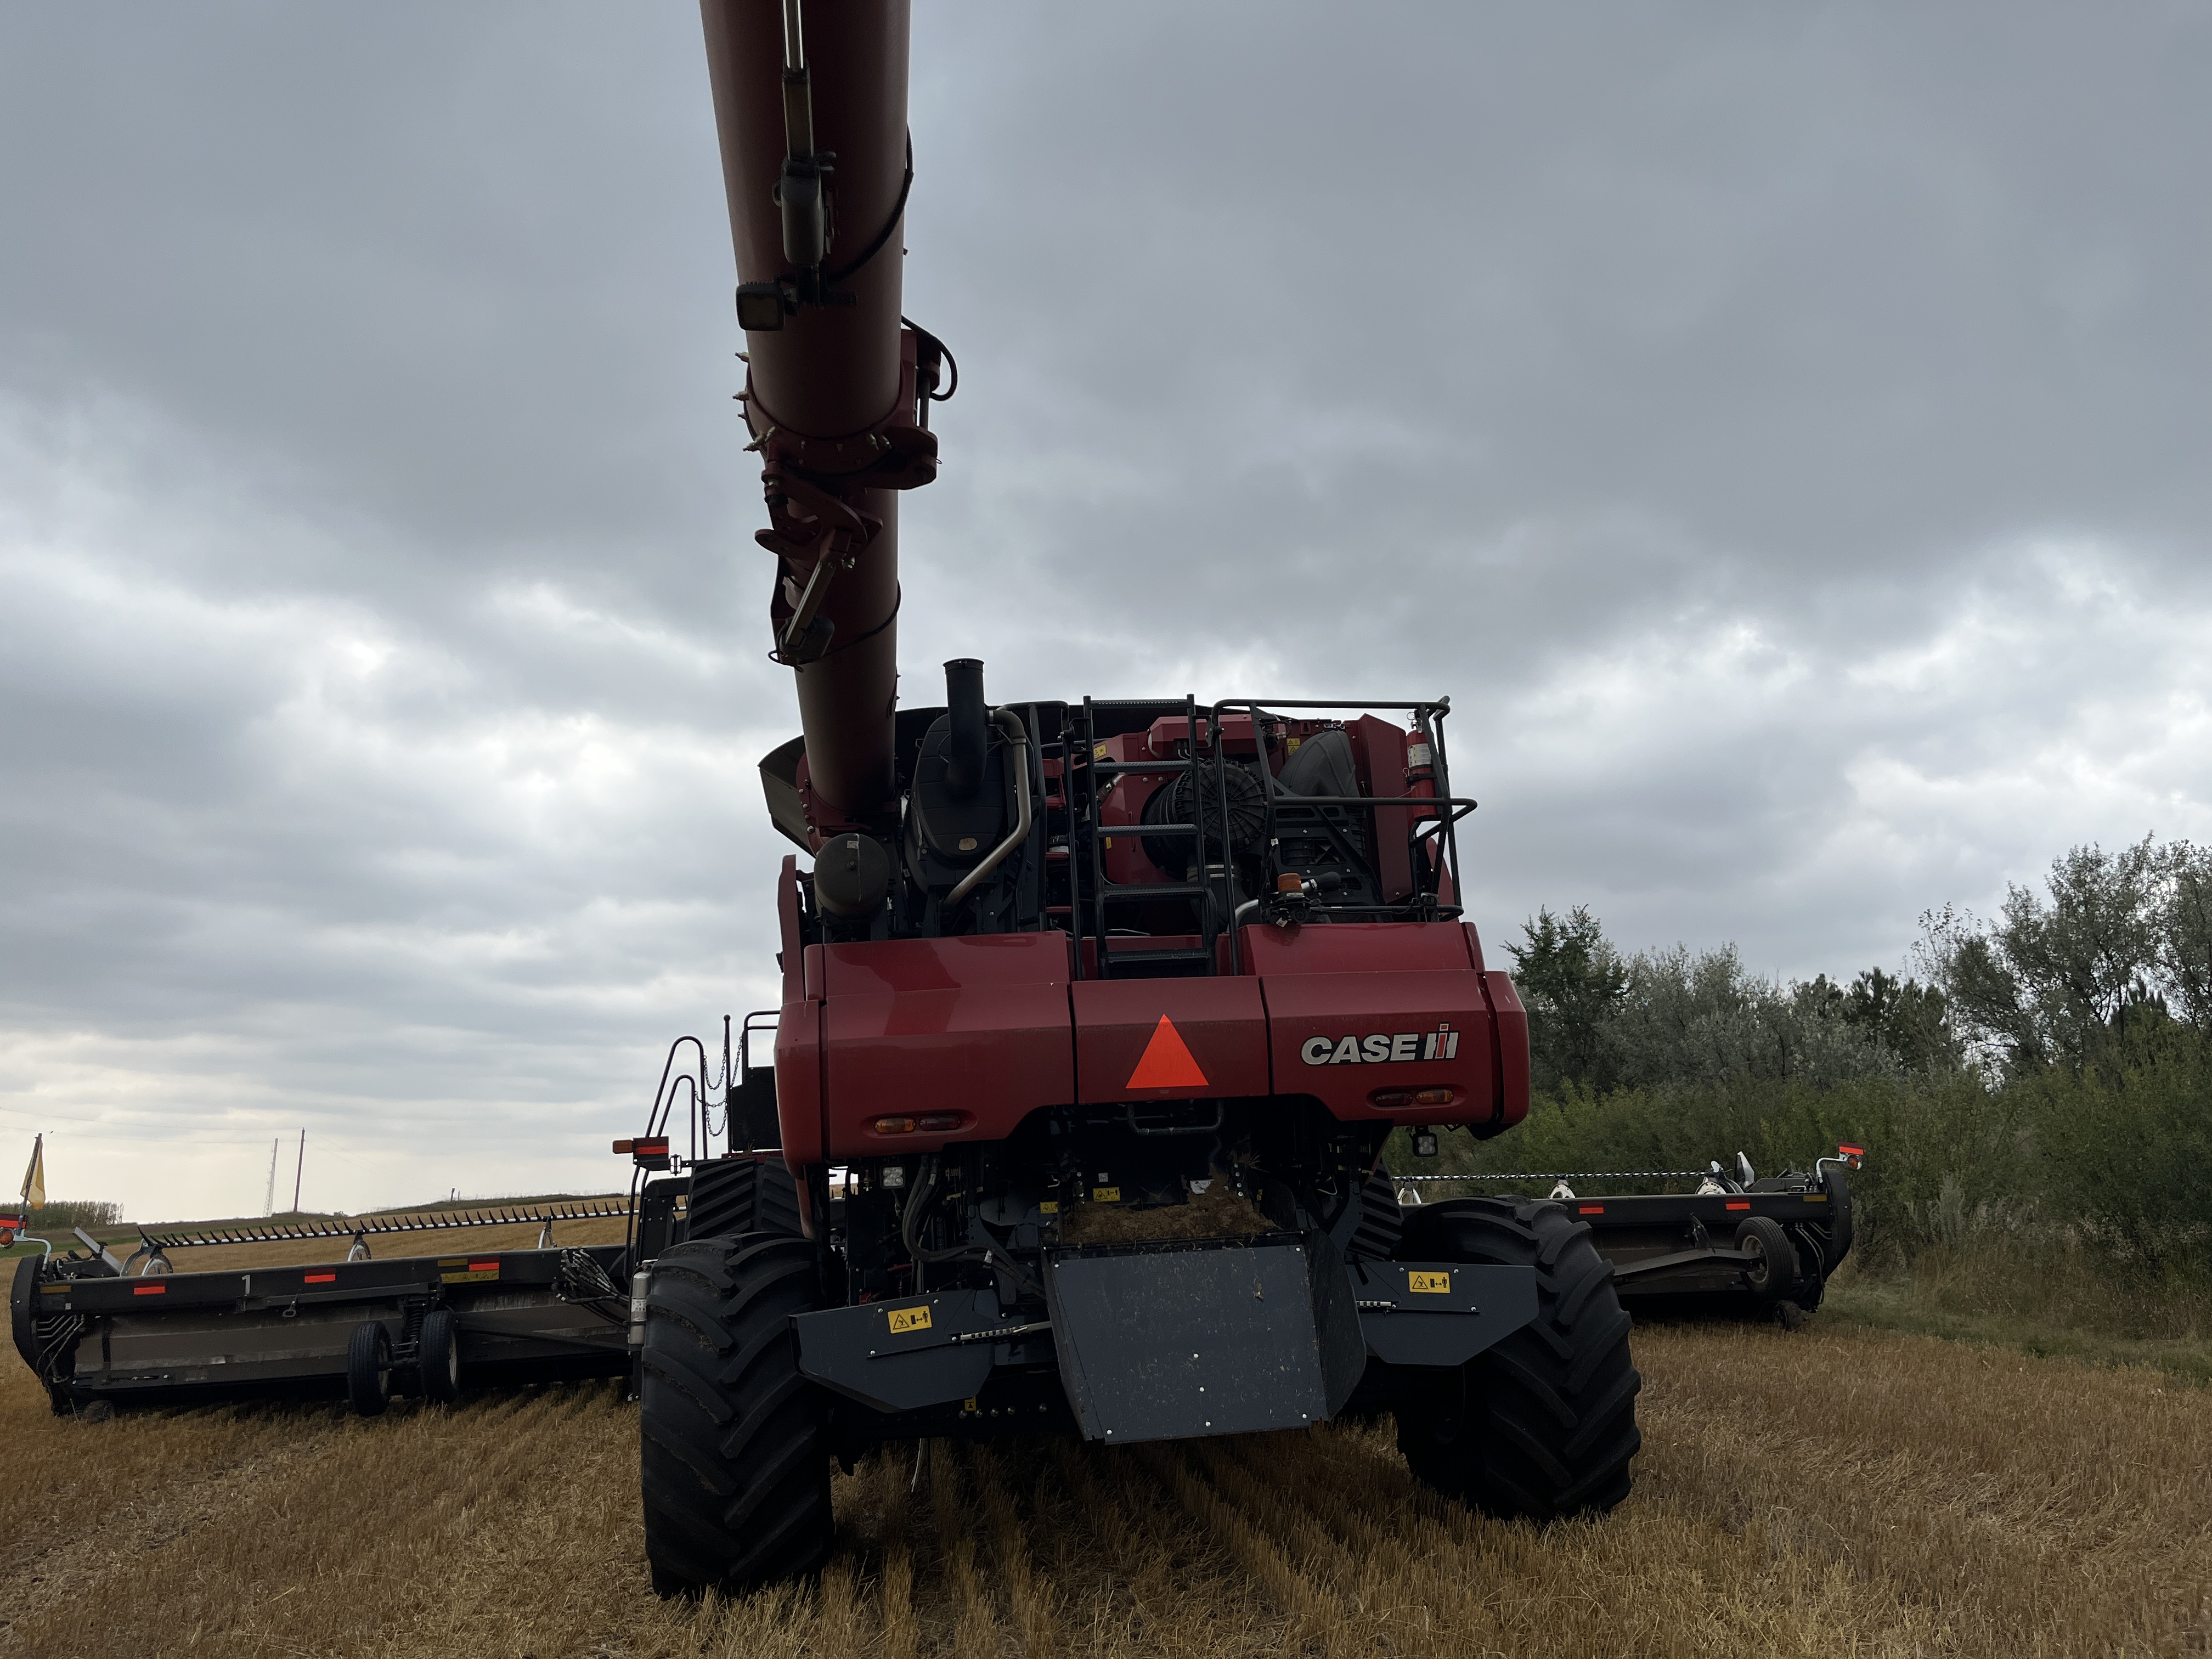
2047	1070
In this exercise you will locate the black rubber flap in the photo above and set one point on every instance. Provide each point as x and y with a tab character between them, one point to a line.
1218	1337
902	1355
1440	1313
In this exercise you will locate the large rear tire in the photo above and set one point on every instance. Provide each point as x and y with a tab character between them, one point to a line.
735	1465
1543	1424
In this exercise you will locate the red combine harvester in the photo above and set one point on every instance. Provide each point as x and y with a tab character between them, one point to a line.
1096	1015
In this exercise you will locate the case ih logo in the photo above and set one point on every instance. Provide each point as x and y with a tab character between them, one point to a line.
1379	1050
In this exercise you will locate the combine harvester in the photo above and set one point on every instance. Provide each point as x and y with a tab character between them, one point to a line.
1096	1014
1096	1018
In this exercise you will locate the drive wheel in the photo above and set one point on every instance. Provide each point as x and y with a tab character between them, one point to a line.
368	1369
735	1465
439	1349
1542	1424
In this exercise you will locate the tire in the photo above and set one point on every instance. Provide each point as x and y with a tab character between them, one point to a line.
1774	1273
734	1459
1542	1426
439	1351
368	1369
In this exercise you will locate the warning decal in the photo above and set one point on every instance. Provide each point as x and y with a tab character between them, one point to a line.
909	1318
1167	1062
1434	1284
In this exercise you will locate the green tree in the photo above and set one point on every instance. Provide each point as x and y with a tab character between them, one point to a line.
2124	942
1571	979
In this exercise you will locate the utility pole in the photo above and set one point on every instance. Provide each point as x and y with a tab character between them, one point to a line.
299	1171
268	1201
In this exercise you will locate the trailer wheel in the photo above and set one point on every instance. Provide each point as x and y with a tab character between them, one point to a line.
1773	1270
1543	1424
735	1463
368	1368
438	1348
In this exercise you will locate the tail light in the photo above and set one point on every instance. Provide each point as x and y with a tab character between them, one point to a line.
648	1153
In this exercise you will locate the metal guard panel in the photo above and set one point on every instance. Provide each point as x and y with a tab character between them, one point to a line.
1439	1313
1388	1019
1358	947
1215	1041
993	1053
1206	1338
857	1351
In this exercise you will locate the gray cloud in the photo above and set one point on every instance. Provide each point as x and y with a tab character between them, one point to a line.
1778	431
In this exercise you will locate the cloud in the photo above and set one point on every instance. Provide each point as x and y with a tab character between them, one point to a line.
1779	432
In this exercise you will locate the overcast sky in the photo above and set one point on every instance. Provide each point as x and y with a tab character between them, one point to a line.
1781	430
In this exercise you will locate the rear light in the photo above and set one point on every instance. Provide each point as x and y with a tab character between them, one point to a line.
928	1123
1435	1096
1290	881
624	1145
1738	1204
649	1153
1390	1099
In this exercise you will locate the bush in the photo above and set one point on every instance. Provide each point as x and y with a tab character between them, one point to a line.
60	1215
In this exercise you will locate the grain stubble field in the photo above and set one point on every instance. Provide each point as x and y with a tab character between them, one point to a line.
1834	1491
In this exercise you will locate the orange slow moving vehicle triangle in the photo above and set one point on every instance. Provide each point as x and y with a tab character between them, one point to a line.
1167	1063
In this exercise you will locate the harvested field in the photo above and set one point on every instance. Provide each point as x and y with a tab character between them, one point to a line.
1836	1491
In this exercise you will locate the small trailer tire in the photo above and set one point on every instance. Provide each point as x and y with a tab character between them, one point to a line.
1543	1424
439	1352
368	1368
735	1465
1774	1273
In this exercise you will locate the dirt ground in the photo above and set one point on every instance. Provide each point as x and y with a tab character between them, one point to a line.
1833	1491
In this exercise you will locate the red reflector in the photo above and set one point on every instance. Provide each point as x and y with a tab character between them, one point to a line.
1744	1203
893	1125
937	1123
150	1290
483	1266
1591	1209
1852	1152
322	1279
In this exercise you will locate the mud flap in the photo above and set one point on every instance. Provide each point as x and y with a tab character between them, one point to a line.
1440	1313
905	1355
1214	1337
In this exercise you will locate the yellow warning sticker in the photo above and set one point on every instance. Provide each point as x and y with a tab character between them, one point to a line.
1816	1198
1050	1207
1291	747
1432	1282
968	1405
909	1318
1105	1194
1102	751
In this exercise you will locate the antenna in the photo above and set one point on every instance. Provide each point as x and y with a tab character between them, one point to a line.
298	1171
269	1203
